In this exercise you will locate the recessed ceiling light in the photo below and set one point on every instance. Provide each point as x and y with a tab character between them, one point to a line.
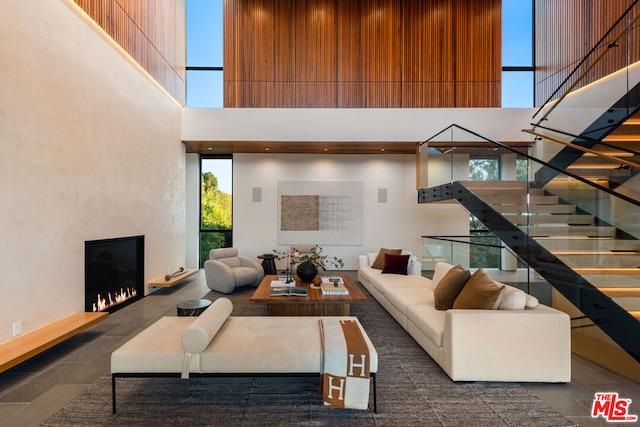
266	149
325	149
209	148
382	149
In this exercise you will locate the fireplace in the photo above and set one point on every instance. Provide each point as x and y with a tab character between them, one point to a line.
113	273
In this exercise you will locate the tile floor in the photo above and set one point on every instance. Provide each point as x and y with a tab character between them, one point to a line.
33	391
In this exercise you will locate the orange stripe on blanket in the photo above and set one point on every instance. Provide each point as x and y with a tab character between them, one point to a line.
348	387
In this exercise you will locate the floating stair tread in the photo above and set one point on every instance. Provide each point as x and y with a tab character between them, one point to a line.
534	209
607	271
27	345
550	219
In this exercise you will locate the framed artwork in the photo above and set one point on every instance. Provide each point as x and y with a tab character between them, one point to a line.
320	212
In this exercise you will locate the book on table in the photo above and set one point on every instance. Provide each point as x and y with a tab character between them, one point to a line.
282	283
330	289
293	291
333	280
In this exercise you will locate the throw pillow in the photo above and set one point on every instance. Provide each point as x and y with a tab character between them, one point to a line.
531	301
379	262
479	292
395	264
449	287
512	298
439	272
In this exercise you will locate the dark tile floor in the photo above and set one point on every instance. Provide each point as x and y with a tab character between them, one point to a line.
31	392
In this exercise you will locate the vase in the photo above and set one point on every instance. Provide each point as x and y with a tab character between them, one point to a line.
306	271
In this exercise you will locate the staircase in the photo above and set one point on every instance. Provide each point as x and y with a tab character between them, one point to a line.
591	263
589	248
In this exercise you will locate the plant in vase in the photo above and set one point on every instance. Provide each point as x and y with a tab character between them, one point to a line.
308	262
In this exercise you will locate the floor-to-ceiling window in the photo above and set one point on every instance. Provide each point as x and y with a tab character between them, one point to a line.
216	202
205	83
517	54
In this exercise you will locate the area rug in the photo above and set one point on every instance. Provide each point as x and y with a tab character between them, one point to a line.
412	391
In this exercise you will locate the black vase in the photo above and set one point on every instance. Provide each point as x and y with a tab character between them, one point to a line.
306	271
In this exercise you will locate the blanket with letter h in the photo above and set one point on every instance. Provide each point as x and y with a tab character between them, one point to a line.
345	377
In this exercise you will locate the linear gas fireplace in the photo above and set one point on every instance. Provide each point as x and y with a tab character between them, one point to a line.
113	273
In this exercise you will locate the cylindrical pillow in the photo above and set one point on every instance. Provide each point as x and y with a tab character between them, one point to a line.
512	298
199	334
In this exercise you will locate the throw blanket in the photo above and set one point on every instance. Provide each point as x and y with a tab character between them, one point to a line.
345	377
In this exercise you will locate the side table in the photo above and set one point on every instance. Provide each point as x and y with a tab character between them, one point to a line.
268	263
193	307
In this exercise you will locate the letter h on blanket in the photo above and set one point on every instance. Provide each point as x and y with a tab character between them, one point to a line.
346	373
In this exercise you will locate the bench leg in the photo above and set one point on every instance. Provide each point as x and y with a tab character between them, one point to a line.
375	394
113	392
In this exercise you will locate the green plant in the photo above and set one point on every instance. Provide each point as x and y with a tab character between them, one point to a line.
314	255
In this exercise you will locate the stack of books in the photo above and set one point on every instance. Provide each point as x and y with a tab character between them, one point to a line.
290	291
333	280
330	289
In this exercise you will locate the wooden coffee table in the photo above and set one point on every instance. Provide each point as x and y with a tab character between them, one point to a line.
314	304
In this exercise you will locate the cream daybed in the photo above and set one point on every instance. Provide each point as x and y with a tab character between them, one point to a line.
217	344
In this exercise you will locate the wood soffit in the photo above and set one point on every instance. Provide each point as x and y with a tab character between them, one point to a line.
335	147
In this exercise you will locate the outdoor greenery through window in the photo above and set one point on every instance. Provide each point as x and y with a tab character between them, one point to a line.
484	248
216	203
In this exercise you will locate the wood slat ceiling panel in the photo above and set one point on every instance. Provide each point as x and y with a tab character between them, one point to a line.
366	53
567	30
427	72
151	32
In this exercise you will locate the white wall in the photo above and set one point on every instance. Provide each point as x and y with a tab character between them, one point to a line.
350	124
398	223
192	208
90	149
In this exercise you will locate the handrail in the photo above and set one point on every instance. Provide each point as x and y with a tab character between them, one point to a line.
591	140
542	162
597	45
448	239
583	149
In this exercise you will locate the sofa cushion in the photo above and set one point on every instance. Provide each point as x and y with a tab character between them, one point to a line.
449	287
245	275
404	295
512	298
429	321
379	261
479	292
396	264
441	269
199	334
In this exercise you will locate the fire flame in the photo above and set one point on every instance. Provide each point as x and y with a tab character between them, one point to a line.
114	298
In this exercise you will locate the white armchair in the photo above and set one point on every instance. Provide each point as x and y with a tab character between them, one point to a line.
225	270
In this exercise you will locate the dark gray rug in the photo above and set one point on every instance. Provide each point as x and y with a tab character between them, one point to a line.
412	390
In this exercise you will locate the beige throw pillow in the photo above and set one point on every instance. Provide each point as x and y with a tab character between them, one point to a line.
379	262
449	287
479	292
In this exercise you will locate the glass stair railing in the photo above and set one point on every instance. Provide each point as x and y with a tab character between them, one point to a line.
580	236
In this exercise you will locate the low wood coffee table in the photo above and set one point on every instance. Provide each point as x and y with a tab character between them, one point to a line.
314	304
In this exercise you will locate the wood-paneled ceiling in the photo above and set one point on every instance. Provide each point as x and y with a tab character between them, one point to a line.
333	147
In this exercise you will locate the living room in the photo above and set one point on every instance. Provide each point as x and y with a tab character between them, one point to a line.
93	149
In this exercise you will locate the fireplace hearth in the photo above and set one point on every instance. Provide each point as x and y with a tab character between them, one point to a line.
114	273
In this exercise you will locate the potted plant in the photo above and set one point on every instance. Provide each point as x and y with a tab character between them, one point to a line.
308	262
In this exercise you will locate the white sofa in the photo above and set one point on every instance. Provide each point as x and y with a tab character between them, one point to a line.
528	344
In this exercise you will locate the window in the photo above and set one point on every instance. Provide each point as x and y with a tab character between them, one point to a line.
205	83
485	168
517	54
216	203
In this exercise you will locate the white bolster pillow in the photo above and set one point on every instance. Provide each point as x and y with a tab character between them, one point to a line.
199	334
